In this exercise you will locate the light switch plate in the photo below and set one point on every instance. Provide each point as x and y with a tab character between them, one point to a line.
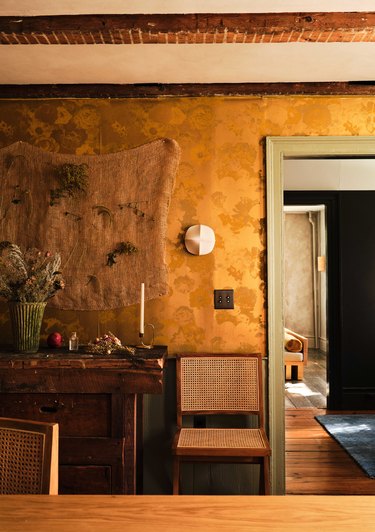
223	299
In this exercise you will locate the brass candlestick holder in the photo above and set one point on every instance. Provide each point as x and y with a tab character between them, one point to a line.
150	345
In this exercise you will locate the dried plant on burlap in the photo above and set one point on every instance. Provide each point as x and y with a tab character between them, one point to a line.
73	180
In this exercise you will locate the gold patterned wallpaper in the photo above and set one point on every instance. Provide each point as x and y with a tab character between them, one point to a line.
220	183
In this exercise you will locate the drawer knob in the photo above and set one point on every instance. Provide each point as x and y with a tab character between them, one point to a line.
48	409
51	409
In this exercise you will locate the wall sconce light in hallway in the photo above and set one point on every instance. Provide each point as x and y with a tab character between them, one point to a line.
321	263
200	239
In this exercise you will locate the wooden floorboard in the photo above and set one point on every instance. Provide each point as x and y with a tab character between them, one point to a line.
312	391
315	463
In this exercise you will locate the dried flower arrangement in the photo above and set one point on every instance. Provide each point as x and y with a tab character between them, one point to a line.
28	277
107	344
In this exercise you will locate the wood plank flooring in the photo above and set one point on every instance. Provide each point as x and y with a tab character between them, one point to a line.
312	391
315	463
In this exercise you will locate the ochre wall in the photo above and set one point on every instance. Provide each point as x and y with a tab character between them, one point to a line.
220	183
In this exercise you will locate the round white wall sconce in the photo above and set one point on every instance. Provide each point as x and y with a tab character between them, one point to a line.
199	239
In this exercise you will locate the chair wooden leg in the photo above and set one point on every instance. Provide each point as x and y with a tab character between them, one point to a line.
266	475
288	372
299	373
176	476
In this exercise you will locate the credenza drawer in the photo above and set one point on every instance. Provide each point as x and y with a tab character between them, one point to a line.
85	480
77	414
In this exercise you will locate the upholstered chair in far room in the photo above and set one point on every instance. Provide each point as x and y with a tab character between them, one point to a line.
295	354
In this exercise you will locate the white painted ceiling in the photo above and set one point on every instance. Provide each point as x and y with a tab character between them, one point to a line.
193	63
329	174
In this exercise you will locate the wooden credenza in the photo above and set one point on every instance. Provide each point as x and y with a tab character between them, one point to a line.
97	402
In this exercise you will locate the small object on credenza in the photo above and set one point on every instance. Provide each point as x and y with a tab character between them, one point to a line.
150	345
54	340
73	342
142	311
108	344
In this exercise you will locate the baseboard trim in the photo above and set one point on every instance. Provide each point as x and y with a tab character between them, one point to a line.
358	399
323	344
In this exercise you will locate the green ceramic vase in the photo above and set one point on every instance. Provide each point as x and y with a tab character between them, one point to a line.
26	320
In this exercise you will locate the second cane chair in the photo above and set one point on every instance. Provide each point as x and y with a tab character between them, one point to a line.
28	457
209	384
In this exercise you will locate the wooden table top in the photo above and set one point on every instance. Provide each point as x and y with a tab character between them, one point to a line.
161	513
61	371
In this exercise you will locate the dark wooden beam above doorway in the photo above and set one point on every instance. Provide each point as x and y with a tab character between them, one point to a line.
186	90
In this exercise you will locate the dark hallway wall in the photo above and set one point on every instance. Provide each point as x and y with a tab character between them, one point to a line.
357	264
351	294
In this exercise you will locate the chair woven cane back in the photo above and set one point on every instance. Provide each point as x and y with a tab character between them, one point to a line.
213	384
28	457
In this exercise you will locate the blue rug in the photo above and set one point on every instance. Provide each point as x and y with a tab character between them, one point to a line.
356	434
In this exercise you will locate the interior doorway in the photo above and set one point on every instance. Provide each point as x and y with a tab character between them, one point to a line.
305	305
278	149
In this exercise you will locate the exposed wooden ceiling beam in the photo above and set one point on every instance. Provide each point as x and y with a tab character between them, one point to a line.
189	28
185	90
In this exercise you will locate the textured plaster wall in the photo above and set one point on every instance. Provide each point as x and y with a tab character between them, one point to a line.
220	183
298	275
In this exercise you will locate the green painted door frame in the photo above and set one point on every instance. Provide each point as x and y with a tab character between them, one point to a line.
277	149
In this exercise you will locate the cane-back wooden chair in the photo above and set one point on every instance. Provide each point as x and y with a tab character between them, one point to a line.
28	457
209	384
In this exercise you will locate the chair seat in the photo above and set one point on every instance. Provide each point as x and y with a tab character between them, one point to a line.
293	357
236	439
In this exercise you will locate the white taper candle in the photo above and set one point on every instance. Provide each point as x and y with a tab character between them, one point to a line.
142	311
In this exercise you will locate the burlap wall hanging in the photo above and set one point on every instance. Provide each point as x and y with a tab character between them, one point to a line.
124	206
